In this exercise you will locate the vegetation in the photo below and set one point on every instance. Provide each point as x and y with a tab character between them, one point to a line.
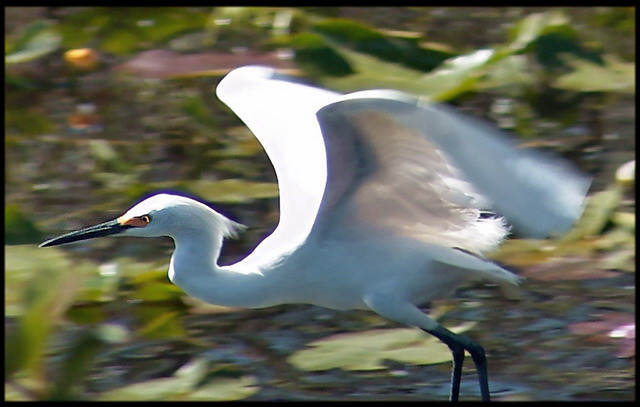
104	105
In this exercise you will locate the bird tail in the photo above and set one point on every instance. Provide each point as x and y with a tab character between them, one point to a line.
482	268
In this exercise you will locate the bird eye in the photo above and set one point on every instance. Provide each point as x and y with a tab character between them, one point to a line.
145	218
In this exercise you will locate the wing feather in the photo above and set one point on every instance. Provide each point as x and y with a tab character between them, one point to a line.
282	115
384	159
429	172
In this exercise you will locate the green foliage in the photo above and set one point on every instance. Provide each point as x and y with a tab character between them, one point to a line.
233	190
60	310
405	50
611	76
44	289
37	39
354	56
369	349
27	122
318	57
195	107
191	382
122	30
601	228
18	228
46	285
597	214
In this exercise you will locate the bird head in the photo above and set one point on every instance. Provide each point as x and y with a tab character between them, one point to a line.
159	215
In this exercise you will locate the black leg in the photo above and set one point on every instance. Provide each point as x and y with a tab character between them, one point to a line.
458	344
457	352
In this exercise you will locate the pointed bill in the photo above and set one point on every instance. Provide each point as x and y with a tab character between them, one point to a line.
111	227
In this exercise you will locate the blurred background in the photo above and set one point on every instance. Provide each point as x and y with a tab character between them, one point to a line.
105	105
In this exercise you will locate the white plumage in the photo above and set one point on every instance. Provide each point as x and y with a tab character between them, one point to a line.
382	199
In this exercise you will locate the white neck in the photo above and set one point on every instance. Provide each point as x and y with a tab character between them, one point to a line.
194	268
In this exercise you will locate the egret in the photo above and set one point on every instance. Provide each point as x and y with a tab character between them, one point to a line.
384	205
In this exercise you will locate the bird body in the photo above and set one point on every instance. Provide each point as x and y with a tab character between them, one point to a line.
335	270
383	206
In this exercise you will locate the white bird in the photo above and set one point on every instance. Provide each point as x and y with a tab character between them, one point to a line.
383	203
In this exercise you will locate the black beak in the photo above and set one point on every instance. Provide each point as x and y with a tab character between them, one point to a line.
104	229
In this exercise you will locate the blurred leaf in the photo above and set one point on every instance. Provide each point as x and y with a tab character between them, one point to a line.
102	150
354	32
45	298
598	211
508	73
112	333
626	173
158	291
367	350
144	273
370	72
121	41
457	75
168	388
533	26
75	366
122	30
451	78
87	314
159	322
400	48
614	76
184	385
624	260
551	47
549	35
26	267
625	220
38	39
194	371
18	228
226	389
16	393
616	238
317	57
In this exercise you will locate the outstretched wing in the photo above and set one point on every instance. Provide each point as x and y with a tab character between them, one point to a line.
424	170
383	159
282	115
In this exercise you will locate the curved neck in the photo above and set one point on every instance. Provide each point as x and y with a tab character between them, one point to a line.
194	268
